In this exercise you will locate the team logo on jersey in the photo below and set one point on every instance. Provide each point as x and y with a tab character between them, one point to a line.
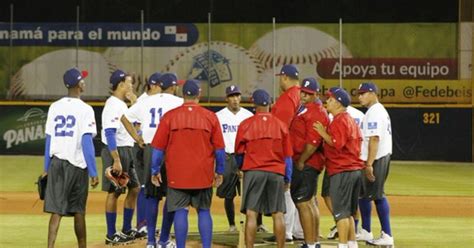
220	71
372	125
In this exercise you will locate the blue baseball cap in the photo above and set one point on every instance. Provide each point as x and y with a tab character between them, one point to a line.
340	95
154	78
261	97
288	70
167	80
367	87
232	90
191	88
310	85
73	76
117	77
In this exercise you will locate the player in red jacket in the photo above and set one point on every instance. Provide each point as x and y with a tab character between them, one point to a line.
342	140
264	154
191	137
308	159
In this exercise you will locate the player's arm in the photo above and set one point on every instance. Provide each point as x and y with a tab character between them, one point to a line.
159	144
219	152
305	155
89	155
47	158
110	135
288	152
132	131
157	156
372	152
321	129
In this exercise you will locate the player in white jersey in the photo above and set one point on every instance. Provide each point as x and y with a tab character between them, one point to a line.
153	88
376	151
229	118
148	113
69	157
118	153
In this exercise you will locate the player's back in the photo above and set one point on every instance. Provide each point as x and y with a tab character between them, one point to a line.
149	111
68	119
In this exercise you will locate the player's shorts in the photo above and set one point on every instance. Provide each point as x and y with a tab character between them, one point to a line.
326	183
230	186
138	163
375	190
67	188
126	159
263	192
344	192
150	189
304	184
182	198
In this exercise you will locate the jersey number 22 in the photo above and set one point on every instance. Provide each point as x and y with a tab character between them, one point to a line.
64	124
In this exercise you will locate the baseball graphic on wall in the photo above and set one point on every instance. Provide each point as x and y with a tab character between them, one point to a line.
230	64
43	77
299	45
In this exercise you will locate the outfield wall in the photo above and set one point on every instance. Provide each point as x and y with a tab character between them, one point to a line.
420	132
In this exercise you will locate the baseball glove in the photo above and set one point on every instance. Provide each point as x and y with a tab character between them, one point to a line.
41	184
119	181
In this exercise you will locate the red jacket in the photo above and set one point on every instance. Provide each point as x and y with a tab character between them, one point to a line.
302	133
346	138
287	104
265	143
189	136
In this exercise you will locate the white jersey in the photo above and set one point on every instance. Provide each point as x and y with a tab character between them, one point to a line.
376	122
149	111
113	110
229	124
142	96
356	114
68	120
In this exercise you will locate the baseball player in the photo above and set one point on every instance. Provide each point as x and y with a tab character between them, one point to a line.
69	157
152	89
285	109
358	116
308	159
118	153
191	137
263	149
376	151
229	118
148	113
342	142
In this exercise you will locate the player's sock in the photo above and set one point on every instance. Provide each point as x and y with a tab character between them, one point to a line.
127	219
205	227
383	211
151	216
356	223
141	205
181	227
230	211
166	224
365	206
111	218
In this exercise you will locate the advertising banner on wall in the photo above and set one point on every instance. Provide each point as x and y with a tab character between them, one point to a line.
412	63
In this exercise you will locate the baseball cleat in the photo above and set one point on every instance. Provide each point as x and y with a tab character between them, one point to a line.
262	229
363	235
118	239
167	244
333	233
232	229
384	240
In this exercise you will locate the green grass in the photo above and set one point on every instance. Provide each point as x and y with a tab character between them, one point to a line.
17	173
31	231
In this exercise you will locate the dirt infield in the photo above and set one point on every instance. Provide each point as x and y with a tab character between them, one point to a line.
441	206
